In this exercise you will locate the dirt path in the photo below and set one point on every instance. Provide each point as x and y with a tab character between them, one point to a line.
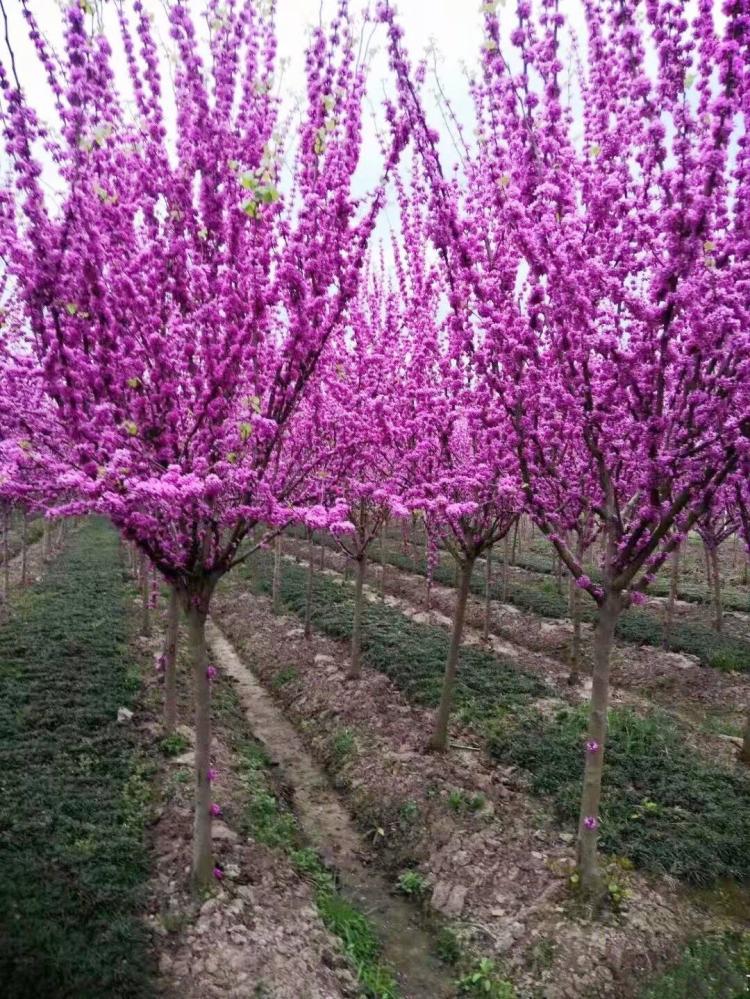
406	945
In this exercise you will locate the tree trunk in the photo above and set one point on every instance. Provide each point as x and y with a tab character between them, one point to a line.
355	668
588	826
45	541
276	582
674	583
309	590
487	595
6	554
575	601
428	593
24	548
505	569
145	594
203	863
170	662
575	645
716	588
382	564
515	543
439	740
322	556
745	751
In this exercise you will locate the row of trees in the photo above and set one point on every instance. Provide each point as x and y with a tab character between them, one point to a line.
201	337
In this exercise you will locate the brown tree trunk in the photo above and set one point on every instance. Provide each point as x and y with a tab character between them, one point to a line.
6	553
505	569
382	563
322	556
46	541
716	588
515	543
145	595
575	601
487	595
24	548
203	862
355	667
309	590
276	581
745	751
439	740
588	825
575	645
674	583
170	662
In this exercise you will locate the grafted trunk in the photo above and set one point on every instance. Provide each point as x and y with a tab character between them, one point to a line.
439	740
310	581
588	824
203	862
24	548
716	589
276	581
170	662
487	595
145	597
355	666
674	583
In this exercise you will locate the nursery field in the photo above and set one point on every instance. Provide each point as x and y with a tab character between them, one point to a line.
346	856
374	499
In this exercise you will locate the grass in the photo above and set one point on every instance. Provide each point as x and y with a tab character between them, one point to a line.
640	626
412	655
266	819
715	967
663	806
75	793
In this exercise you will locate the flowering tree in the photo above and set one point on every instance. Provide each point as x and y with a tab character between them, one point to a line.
179	297
598	265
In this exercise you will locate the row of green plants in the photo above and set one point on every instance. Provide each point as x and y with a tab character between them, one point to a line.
698	593
665	807
639	625
75	791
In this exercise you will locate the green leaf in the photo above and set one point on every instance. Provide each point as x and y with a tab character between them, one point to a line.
71	308
245	430
130	427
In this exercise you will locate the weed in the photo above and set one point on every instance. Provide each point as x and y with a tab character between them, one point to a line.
411	883
409	812
287	675
173	744
484	980
343	746
448	947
